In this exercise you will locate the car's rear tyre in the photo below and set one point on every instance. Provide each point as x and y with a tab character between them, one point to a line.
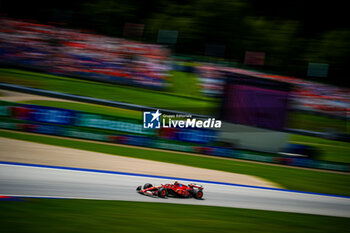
162	192
139	188
147	185
198	194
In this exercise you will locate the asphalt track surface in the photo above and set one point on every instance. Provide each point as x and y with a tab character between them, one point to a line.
18	180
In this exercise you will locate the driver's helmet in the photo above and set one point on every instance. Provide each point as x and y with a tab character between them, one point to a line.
176	183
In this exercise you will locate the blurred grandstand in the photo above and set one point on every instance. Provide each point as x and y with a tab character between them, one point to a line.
90	56
81	54
306	95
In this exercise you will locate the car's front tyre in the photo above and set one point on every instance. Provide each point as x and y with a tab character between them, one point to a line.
162	192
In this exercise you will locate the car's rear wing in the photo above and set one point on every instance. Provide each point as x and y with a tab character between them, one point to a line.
198	186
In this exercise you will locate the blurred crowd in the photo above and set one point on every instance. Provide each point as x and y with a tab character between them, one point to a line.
79	53
306	95
84	54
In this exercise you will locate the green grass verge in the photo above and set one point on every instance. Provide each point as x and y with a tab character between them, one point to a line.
291	178
125	94
43	215
335	151
301	120
331	150
185	84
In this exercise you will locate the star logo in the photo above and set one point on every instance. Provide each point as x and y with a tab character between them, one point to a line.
156	115
151	120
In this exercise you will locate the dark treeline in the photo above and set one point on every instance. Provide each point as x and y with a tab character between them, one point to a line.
292	33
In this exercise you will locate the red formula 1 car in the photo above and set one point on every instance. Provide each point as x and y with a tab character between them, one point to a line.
173	190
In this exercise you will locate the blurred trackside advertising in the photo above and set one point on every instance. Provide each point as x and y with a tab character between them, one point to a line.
76	124
52	118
